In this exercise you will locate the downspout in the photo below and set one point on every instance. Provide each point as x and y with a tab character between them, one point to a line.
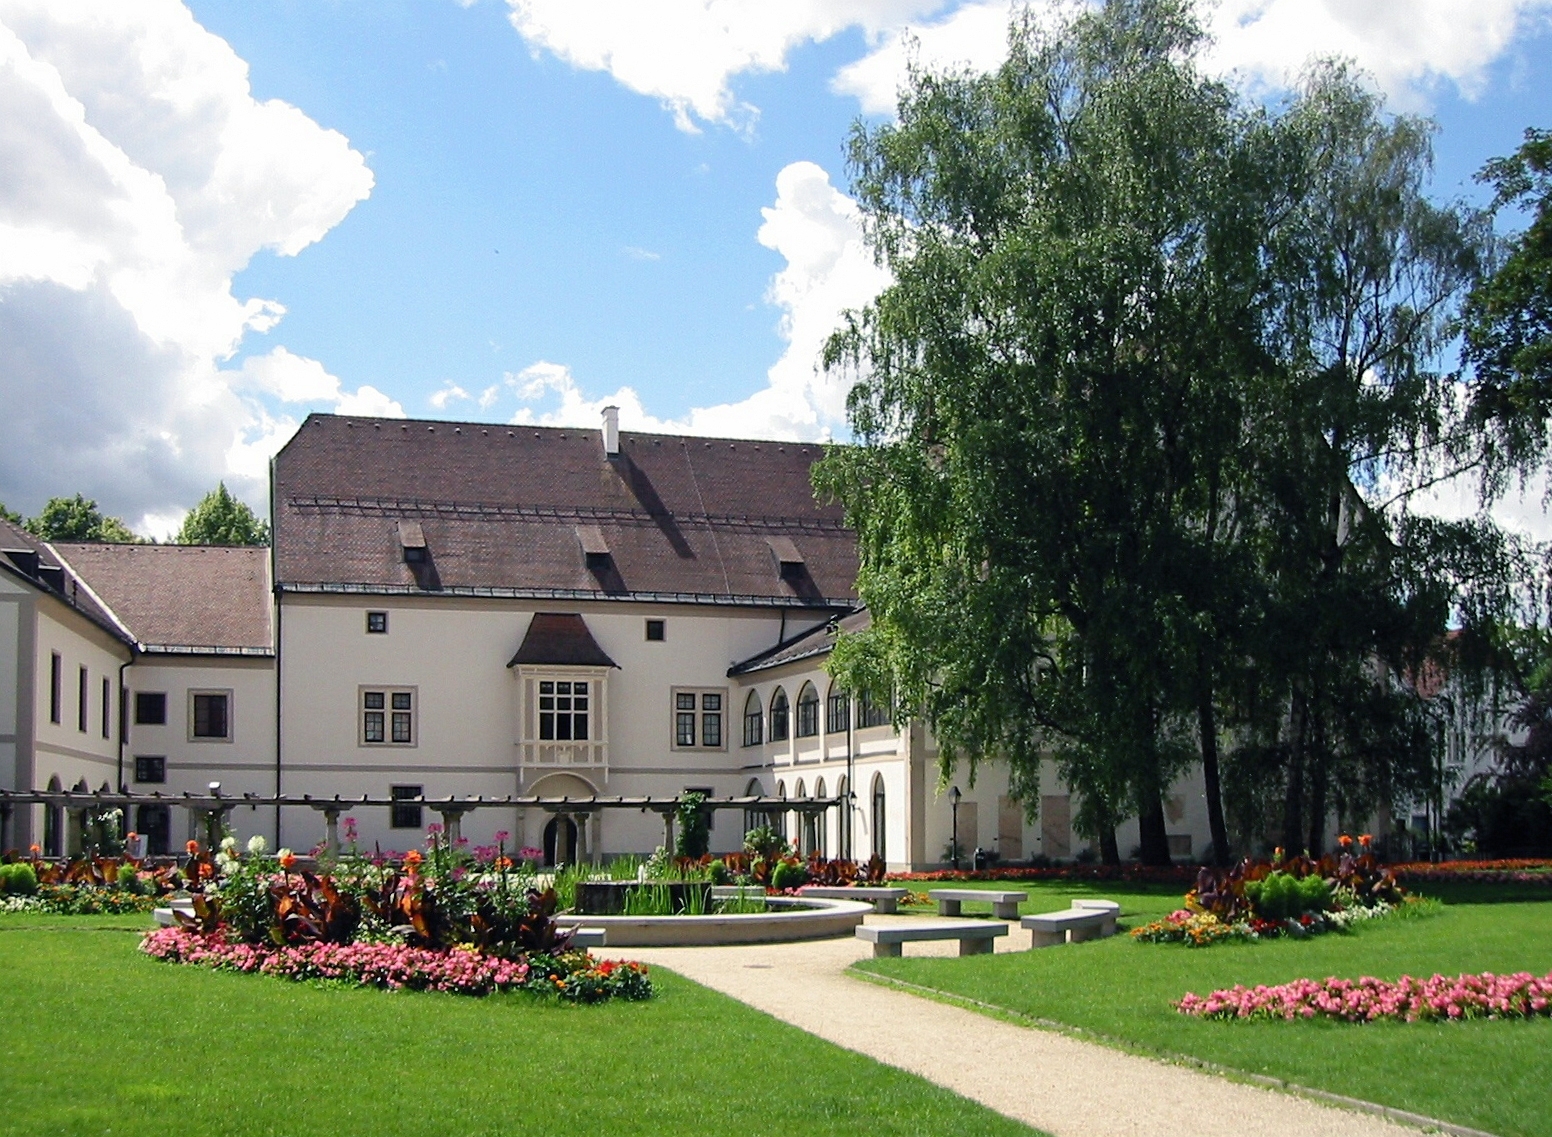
274	583
851	783
123	724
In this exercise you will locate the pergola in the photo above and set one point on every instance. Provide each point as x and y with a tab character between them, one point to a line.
211	809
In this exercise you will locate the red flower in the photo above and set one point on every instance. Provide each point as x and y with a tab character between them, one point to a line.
192	847
1345	841
1366	840
287	861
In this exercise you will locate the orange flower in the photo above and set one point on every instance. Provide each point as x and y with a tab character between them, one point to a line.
1366	840
1345	841
412	859
288	860
192	847
36	849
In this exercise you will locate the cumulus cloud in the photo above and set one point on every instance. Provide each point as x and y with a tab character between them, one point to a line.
140	175
817	229
685	52
451	393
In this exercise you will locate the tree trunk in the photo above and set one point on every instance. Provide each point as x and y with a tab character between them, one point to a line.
1109	851
1317	810
1150	828
1207	727
1293	803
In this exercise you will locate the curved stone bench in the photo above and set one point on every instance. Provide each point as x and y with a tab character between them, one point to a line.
788	919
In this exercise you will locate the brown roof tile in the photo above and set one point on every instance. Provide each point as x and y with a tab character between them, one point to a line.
502	508
182	596
560	638
36	561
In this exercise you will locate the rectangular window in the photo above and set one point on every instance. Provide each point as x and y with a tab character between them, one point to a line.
657	631
150	708
80	700
377	623
388	716
563	710
56	686
404	816
107	708
210	715
150	768
698	719
837	712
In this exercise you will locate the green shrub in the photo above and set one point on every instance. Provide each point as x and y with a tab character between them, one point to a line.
1282	896
787	876
18	879
128	880
718	871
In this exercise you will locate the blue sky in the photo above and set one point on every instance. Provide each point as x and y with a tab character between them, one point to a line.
225	215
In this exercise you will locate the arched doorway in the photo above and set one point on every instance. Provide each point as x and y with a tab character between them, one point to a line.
155	822
53	821
560	841
880	849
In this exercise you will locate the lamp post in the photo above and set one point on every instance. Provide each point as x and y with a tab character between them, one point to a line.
953	801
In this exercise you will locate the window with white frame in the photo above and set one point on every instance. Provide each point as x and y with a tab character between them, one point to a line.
780	716
808	711
563	718
698	718
565	706
388	716
754	720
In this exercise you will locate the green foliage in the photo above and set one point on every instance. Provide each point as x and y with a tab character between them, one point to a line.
18	879
694	830
1508	319
788	875
221	519
9	515
1281	895
717	872
764	842
78	519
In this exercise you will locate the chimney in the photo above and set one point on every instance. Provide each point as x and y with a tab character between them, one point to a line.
611	432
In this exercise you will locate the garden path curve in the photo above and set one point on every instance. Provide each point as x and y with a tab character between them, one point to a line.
1051	1081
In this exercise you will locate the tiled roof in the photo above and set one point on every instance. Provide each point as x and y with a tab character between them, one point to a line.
36	561
530	511
183	597
806	645
560	639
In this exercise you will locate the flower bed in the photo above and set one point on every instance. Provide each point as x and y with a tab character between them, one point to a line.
1518	996
79	900
1203	929
574	976
1515	871
1134	873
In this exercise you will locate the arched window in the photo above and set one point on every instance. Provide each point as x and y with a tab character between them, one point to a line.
808	711
878	816
754	818
821	822
53	822
779	716
754	720
837	711
873	710
843	831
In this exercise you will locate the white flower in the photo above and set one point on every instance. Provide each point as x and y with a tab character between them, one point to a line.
257	844
228	844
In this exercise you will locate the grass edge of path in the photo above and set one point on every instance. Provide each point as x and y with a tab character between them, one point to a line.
1234	1074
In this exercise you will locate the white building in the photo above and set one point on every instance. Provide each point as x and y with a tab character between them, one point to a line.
460	609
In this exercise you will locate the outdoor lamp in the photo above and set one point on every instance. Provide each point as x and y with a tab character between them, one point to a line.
953	800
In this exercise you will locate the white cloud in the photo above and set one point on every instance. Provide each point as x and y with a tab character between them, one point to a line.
684	52
637	253
817	229
143	176
448	394
1409	48
297	379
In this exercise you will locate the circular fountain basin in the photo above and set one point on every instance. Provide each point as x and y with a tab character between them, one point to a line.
787	919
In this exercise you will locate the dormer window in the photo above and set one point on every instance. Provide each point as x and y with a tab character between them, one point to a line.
412	539
789	562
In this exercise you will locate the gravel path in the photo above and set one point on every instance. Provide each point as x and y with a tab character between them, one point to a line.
1048	1080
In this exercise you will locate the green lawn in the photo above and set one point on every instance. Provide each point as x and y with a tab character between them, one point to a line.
101	1039
1489	1075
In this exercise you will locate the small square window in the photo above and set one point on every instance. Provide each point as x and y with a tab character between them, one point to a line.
377	623
210	717
405	816
150	769
657	631
150	708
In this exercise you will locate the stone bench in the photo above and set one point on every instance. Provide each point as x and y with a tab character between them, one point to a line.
884	900
975	936
1109	907
1004	904
589	937
1051	928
